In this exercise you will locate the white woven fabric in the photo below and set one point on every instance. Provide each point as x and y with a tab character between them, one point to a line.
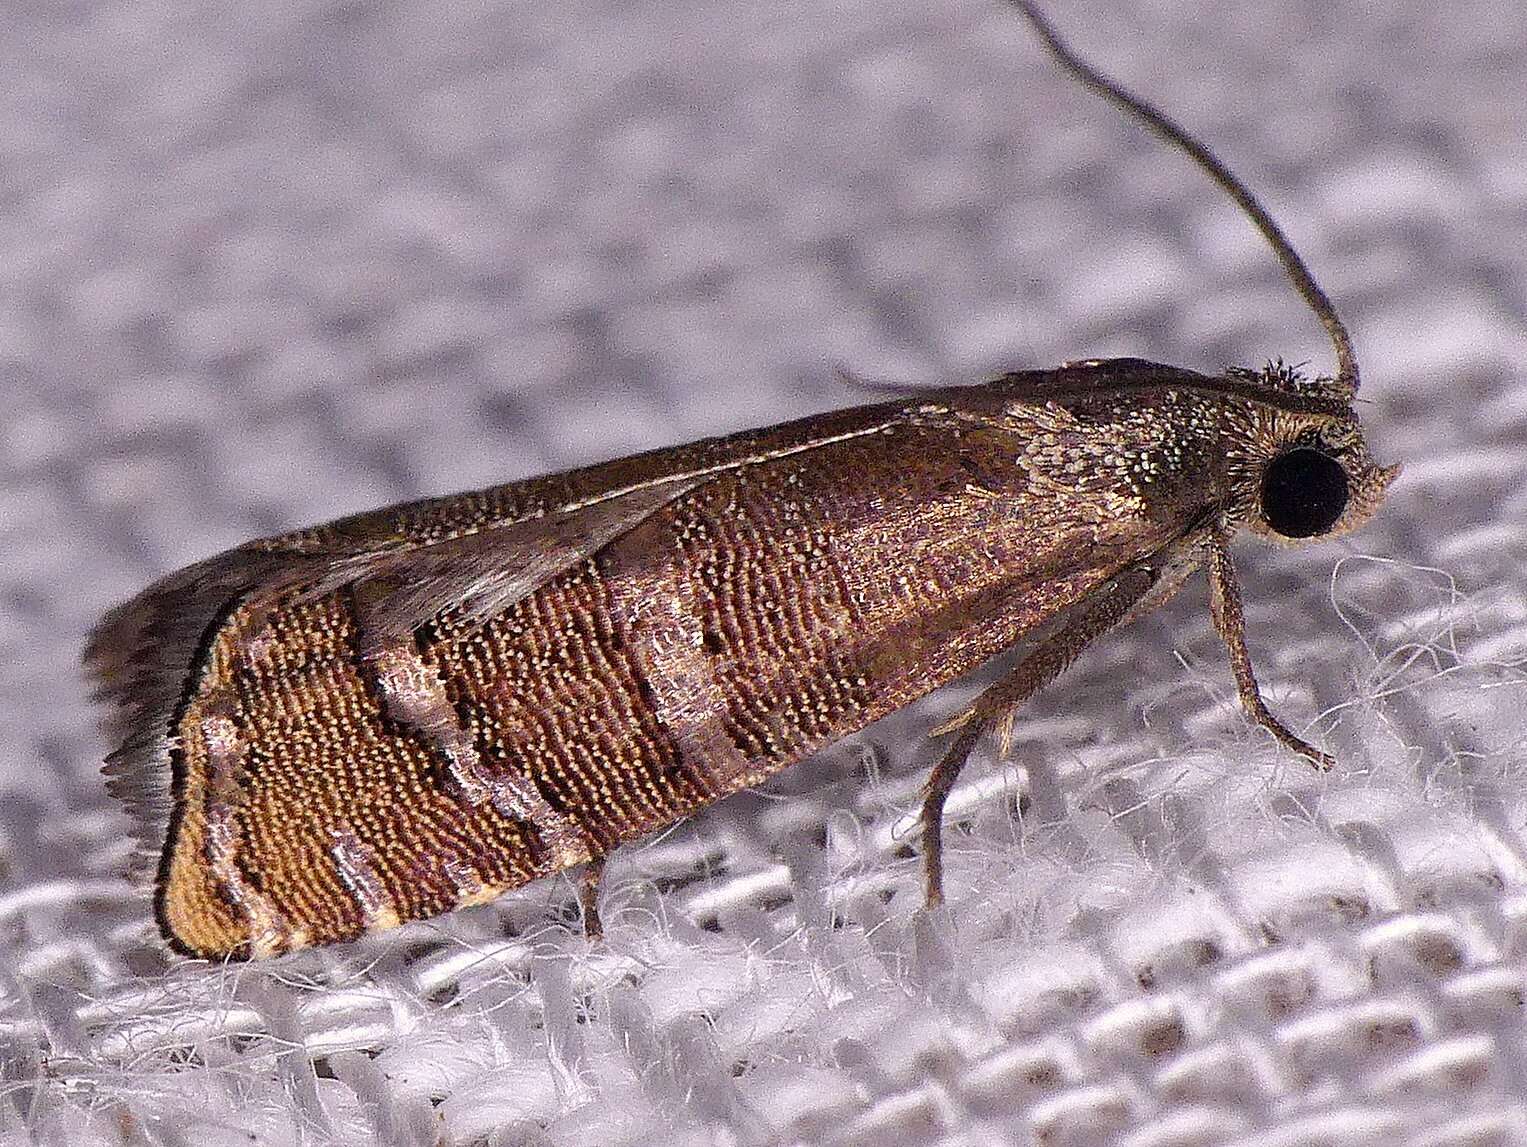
262	265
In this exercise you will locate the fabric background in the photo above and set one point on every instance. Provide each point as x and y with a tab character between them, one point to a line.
262	265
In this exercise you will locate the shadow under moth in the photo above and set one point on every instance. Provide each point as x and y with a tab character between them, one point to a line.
376	720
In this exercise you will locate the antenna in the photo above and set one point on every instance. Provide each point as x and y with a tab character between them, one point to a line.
1163	125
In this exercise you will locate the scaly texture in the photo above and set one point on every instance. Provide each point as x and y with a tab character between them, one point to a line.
264	265
797	584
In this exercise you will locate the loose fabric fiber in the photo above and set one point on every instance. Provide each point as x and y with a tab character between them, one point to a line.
262	265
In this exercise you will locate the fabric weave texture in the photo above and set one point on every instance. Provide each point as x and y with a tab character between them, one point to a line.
264	265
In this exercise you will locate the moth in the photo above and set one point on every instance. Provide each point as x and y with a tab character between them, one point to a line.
379	719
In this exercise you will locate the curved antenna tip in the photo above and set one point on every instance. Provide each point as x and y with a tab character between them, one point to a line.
1163	125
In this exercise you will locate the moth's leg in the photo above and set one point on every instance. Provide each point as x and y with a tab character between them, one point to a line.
1091	618
935	793
1225	604
588	896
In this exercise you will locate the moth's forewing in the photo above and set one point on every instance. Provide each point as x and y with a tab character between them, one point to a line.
146	653
782	589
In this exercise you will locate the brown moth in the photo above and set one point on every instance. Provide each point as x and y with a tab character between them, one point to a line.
379	719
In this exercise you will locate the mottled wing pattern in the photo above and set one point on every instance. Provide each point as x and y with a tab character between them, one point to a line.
358	743
504	541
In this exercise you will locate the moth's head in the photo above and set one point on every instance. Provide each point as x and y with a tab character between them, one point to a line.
1299	466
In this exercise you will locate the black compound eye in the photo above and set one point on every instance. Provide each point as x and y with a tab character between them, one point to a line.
1303	492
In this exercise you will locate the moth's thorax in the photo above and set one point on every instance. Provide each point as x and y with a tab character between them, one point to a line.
1122	442
1123	458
